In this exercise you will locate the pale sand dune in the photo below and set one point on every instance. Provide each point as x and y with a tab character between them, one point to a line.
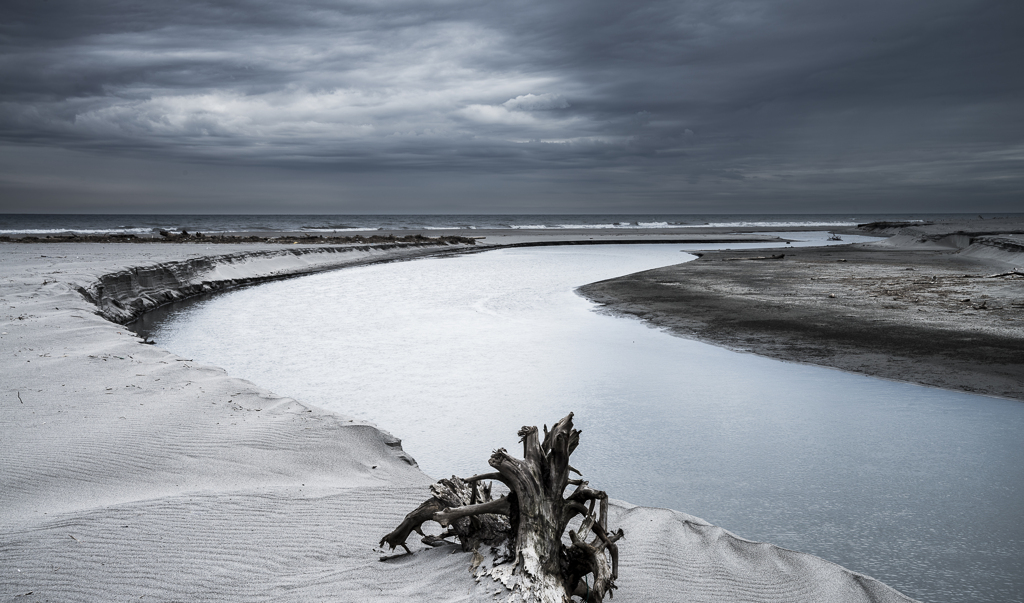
127	473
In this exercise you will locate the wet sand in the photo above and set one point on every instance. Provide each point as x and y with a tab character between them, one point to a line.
937	304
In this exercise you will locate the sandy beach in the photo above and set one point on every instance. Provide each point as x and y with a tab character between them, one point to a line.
937	304
130	473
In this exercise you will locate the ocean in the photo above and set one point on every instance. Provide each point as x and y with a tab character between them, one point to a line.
143	224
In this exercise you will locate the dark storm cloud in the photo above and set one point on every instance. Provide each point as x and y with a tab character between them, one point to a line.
653	101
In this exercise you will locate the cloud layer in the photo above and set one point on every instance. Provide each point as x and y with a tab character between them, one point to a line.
663	104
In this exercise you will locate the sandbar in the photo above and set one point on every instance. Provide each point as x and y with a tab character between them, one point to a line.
935	304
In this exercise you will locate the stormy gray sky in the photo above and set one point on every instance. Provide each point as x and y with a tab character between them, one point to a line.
565	106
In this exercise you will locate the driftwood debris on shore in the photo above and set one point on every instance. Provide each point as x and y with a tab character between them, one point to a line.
1013	272
777	256
524	528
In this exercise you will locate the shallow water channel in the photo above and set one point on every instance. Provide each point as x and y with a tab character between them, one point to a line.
918	487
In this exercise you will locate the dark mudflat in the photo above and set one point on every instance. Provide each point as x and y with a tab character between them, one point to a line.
933	317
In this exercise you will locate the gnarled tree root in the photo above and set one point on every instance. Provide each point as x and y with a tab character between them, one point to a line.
527	524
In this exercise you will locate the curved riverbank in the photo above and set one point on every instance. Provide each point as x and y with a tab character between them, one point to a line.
129	472
931	305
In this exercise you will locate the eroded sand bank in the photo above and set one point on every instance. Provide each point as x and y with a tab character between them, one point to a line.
131	474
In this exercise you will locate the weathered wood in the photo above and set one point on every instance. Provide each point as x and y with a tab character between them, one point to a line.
1013	272
460	507
527	524
778	256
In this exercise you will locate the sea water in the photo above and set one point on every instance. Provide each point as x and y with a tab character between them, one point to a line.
918	487
149	224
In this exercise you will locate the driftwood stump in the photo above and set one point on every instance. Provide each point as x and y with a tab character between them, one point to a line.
524	528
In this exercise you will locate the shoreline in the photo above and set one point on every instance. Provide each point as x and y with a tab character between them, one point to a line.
502	237
131	472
